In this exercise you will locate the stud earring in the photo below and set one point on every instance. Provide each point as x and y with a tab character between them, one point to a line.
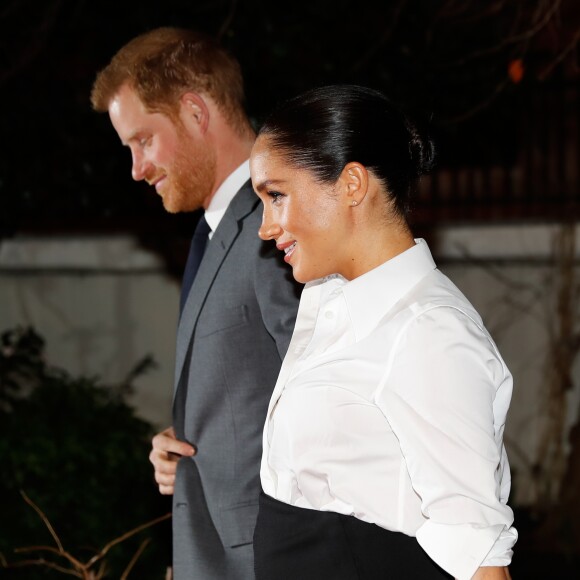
354	202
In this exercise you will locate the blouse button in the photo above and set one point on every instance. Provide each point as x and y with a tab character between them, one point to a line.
329	314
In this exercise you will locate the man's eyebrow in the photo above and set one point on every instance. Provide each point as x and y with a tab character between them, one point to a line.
134	136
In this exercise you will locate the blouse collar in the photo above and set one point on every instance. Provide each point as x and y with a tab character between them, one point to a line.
370	296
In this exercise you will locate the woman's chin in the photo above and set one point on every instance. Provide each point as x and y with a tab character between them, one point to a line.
304	277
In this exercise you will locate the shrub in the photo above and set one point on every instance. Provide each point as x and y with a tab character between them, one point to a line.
79	452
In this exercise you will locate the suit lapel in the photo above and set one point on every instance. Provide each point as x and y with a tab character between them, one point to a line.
217	249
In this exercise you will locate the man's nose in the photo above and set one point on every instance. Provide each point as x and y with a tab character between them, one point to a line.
138	168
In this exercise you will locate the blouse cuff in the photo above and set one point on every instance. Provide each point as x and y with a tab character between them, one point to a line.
501	552
461	549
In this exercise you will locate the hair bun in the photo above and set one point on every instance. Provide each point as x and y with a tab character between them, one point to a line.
422	151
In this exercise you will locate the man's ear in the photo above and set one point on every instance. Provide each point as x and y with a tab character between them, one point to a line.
195	110
355	180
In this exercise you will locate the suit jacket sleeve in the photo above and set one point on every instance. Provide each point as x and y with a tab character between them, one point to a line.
278	294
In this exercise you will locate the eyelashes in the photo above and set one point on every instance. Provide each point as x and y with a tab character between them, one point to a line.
275	196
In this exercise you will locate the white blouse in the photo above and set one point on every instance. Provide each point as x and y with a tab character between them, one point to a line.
390	407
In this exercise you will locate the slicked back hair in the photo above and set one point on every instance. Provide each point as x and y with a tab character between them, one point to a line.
325	128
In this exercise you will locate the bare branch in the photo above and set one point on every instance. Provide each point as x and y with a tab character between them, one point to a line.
134	559
498	89
130	533
60	551
455	10
382	40
45	563
25	549
227	22
79	570
44	519
10	8
522	37
102	570
568	49
63	553
36	45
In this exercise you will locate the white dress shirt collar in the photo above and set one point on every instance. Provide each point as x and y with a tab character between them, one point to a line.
225	193
370	296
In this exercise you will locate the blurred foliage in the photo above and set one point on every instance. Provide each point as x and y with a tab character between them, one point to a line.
76	448
463	66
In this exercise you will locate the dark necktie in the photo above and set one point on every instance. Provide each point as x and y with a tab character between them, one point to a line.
198	244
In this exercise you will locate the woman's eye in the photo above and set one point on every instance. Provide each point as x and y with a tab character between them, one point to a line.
275	195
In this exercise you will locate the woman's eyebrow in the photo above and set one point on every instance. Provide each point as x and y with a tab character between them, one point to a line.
267	182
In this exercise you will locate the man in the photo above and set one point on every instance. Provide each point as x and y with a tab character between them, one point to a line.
175	99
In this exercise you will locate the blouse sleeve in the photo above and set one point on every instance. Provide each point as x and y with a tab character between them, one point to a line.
446	397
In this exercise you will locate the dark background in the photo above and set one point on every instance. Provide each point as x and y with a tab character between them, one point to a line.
448	62
496	82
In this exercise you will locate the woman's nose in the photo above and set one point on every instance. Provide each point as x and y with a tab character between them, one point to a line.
269	230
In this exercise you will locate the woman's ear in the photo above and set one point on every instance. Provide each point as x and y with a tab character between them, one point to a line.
355	181
195	110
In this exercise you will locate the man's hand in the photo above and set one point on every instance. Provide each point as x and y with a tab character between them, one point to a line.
166	452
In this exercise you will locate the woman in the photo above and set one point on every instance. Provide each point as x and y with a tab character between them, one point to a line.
383	454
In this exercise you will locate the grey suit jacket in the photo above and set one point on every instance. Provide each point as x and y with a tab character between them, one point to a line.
234	331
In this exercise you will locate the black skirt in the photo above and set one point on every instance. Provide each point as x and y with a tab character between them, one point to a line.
292	543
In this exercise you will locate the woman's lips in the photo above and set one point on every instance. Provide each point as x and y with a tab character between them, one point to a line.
288	249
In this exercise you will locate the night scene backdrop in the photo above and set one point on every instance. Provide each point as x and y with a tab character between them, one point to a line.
496	83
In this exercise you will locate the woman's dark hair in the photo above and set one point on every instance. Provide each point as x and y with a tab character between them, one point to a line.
325	128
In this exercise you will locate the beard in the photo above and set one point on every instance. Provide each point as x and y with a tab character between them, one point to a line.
190	180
